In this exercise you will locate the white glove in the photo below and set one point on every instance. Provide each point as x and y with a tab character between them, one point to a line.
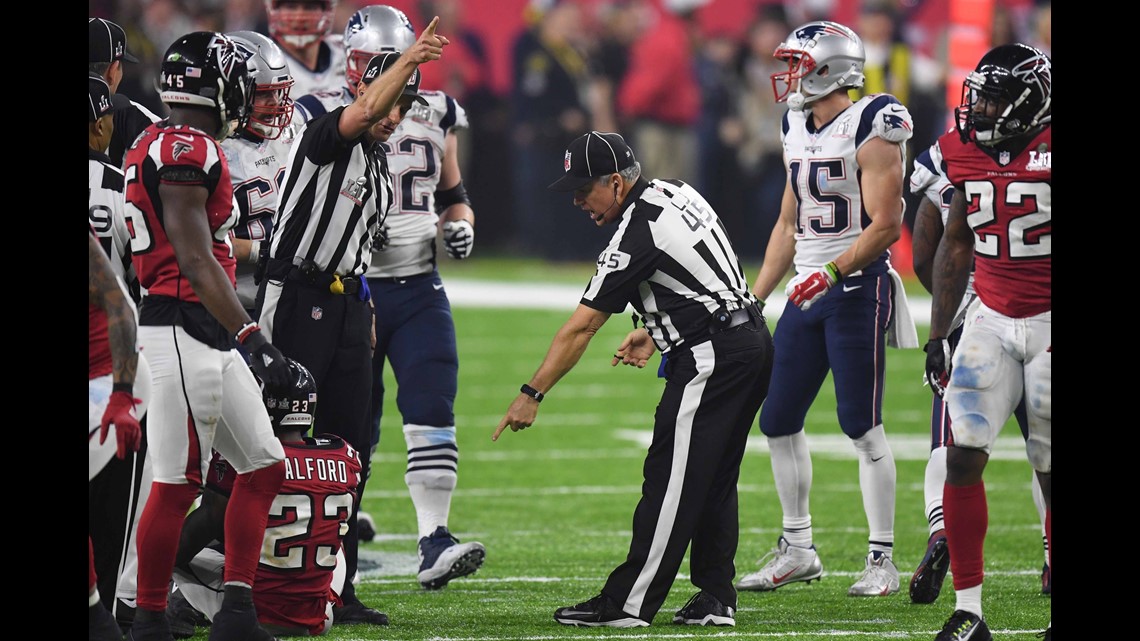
458	238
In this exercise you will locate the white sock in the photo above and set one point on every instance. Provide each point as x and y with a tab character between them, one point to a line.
433	463
970	600
877	480
791	469
93	598
932	488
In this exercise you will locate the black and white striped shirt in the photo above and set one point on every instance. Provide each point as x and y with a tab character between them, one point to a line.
672	260
334	197
106	213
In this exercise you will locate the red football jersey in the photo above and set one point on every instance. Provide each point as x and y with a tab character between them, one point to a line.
1009	205
159	149
307	521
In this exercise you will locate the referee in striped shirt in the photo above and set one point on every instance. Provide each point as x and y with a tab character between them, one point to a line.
314	301
672	260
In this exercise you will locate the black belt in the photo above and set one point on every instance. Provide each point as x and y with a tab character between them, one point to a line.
724	320
398	280
307	274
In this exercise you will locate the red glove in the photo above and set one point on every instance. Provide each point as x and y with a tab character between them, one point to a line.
812	288
121	411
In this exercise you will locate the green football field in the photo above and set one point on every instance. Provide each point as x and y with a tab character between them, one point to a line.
554	504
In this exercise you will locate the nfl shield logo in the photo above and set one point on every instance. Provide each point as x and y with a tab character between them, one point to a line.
566	162
317	313
1003	158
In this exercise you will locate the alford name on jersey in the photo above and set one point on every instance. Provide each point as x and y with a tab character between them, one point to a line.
320	469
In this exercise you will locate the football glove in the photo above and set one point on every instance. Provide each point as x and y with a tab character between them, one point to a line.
380	238
121	411
267	361
812	288
458	238
937	365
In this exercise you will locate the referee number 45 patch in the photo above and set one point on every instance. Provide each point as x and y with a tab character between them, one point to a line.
614	261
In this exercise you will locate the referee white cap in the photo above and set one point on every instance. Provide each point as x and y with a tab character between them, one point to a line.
591	156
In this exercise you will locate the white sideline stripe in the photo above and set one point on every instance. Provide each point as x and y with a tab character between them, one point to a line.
904	447
479	293
606	490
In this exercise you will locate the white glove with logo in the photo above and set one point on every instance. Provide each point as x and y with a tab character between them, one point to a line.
458	238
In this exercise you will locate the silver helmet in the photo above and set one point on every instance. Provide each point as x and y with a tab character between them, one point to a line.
822	56
272	108
372	30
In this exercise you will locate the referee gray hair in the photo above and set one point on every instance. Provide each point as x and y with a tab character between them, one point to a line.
629	174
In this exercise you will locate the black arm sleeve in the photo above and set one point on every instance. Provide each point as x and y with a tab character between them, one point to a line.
445	198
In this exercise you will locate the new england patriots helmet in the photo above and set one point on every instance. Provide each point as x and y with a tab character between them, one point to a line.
299	26
1015	82
372	30
294	405
272	108
823	56
204	69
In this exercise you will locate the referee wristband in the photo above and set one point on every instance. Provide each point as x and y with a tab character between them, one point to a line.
533	393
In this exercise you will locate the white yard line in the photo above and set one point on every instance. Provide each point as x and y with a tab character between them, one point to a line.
478	293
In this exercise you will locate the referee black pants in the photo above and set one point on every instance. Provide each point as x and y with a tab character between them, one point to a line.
712	393
331	335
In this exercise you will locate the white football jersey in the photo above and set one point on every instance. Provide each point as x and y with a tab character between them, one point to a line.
930	181
415	158
825	174
256	170
327	77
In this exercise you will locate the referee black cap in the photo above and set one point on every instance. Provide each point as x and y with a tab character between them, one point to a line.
381	62
107	42
591	156
100	99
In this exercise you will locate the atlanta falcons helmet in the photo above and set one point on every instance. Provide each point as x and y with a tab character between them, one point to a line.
294	405
823	56
204	69
372	30
272	108
299	26
1016	82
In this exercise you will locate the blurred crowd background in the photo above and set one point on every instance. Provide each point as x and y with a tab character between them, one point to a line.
685	81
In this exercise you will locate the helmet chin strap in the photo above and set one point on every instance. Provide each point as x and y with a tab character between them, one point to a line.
796	101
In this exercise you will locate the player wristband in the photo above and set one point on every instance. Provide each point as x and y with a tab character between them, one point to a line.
245	332
833	269
254	251
127	388
533	393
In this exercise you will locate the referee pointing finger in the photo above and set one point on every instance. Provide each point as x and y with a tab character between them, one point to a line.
671	258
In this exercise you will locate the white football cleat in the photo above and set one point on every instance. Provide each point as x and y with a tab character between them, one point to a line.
880	578
783	565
